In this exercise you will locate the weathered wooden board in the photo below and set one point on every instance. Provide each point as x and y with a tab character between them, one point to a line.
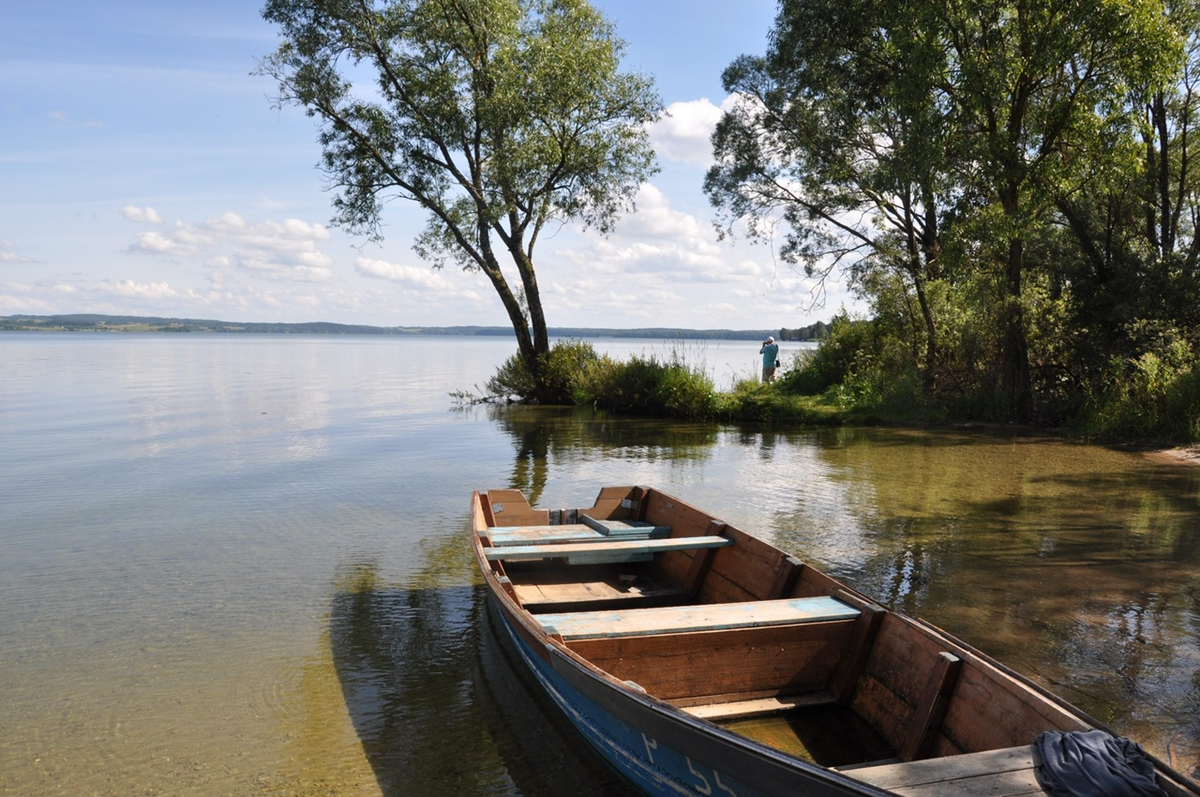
703	667
890	686
612	550
546	535
926	719
701	617
636	529
996	773
509	508
618	502
746	570
539	588
991	709
740	709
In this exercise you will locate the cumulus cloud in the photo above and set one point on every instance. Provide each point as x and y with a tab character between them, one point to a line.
431	286
9	254
422	277
284	250
145	215
658	239
18	297
129	289
685	131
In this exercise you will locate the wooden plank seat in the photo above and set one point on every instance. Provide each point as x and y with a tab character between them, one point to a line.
758	707
637	529
996	773
605	549
695	617
503	536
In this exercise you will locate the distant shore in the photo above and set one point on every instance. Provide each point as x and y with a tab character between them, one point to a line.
136	324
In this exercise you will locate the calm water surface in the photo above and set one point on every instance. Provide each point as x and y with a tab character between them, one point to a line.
237	565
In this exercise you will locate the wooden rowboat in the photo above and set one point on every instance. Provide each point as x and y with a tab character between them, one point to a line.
700	660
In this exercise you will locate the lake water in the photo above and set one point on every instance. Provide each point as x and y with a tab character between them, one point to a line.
237	565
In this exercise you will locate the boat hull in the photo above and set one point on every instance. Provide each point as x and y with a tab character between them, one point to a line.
657	749
697	659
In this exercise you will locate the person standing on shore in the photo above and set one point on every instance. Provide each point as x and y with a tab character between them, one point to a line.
770	355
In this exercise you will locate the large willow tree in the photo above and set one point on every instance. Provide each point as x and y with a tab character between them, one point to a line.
497	117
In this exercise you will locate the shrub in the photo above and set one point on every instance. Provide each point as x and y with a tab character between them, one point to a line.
649	386
563	370
849	345
1155	395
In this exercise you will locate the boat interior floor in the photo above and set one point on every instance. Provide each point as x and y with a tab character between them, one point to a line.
830	735
834	736
1008	772
542	589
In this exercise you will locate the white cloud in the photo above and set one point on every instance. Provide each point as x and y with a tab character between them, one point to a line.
155	243
145	215
8	253
428	286
417	276
284	250
684	133
659	240
17	297
129	289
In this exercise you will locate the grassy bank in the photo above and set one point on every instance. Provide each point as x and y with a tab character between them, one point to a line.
1152	400
665	387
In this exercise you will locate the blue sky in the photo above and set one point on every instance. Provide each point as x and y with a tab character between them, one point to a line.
143	171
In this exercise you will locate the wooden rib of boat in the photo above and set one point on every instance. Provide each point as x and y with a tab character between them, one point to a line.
700	660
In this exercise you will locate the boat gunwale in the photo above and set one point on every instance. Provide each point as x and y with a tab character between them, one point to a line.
690	731
707	739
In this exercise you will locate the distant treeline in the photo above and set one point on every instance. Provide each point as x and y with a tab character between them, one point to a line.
817	331
111	323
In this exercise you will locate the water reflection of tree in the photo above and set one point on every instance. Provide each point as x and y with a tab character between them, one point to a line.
399	657
1072	564
437	709
542	435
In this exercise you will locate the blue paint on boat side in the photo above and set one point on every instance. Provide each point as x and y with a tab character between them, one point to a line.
654	768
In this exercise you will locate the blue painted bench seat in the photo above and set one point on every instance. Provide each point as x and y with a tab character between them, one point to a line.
588	531
698	617
606	549
626	528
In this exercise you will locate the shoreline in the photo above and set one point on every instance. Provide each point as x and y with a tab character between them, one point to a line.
1183	455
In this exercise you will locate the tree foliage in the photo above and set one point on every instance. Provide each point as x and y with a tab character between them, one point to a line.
497	117
1007	182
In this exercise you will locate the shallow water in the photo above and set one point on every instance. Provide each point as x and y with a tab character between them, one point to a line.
236	565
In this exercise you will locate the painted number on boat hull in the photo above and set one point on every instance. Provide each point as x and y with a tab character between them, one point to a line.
703	784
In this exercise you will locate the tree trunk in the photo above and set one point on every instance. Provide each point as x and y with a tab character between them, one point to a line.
931	345
540	341
1015	374
516	316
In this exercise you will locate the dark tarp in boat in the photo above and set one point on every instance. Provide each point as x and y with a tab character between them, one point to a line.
1093	764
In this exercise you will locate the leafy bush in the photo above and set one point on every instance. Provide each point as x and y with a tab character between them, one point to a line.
574	374
849	345
563	371
754	401
648	386
1153	395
